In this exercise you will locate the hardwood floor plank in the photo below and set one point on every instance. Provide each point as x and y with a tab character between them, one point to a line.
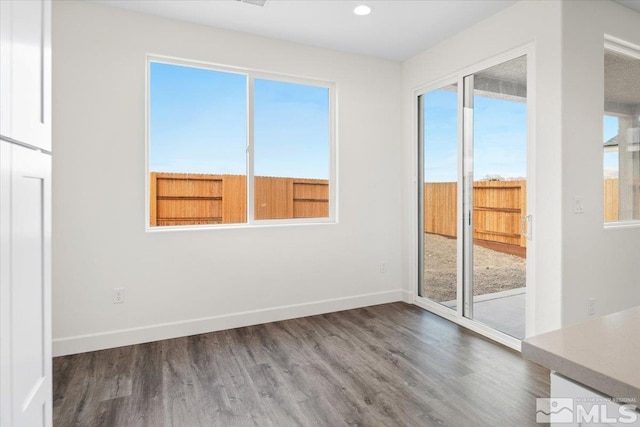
322	378
145	406
386	365
114	373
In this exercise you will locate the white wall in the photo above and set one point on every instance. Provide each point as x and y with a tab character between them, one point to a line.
523	23
598	263
186	282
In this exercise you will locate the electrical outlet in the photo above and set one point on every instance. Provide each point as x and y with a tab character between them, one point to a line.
118	295
591	311
383	267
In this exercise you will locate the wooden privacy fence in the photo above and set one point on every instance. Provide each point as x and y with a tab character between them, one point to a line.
498	209
189	199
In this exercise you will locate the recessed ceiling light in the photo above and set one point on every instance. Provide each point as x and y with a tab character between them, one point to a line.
362	10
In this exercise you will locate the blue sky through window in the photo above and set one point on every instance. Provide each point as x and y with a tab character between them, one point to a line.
610	158
198	122
291	130
500	137
440	124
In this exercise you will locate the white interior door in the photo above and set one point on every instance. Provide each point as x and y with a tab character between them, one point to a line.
25	213
25	78
25	258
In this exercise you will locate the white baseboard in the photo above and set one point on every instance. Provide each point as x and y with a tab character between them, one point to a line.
122	337
408	296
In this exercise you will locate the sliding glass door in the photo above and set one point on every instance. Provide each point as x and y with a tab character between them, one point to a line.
498	172
473	215
439	206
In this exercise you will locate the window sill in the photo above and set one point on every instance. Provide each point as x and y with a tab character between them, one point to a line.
255	224
634	223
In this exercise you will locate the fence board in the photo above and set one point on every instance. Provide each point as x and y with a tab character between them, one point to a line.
273	198
153	208
441	208
178	212
178	187
611	205
234	199
310	198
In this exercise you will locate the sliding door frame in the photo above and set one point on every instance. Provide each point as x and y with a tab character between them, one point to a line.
419	180
417	228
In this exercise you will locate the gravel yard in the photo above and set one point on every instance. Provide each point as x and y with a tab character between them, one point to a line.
493	271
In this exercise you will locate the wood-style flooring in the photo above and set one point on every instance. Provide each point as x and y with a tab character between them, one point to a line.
385	365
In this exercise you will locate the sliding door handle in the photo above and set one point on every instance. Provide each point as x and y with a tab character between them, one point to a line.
525	226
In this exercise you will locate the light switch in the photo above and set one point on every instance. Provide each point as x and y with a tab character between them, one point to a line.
578	205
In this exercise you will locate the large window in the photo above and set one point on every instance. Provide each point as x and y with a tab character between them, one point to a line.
621	133
237	147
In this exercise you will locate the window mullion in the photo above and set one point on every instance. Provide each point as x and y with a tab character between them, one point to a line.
250	152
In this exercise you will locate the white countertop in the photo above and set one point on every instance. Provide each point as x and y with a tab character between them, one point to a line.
602	353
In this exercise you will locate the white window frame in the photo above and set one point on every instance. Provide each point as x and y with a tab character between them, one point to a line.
251	75
629	49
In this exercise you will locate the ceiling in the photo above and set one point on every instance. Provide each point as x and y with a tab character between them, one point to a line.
395	30
631	4
621	83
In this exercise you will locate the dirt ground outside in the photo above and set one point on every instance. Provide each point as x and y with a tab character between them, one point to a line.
493	271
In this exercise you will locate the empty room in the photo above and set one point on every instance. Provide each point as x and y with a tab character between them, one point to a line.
319	213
